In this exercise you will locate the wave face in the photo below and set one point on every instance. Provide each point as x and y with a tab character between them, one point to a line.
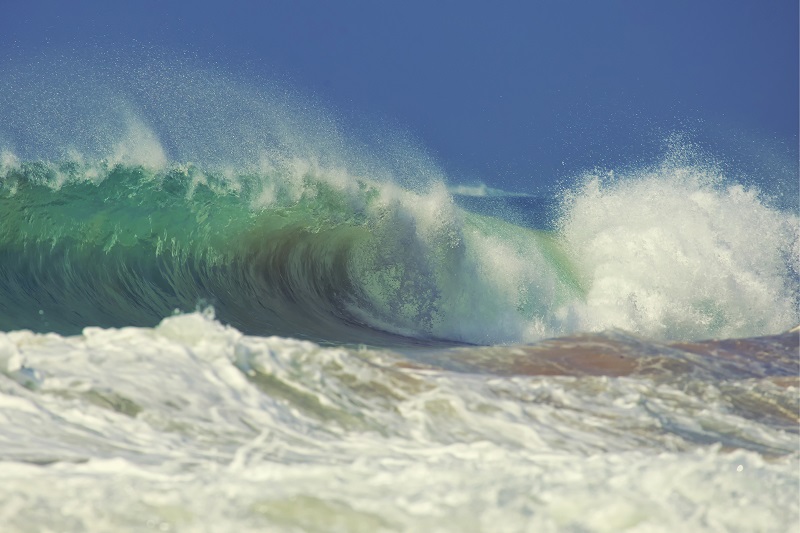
296	249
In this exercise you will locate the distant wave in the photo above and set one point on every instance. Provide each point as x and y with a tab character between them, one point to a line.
482	190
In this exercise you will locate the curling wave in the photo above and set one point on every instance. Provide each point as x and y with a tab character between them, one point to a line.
297	252
288	225
293	248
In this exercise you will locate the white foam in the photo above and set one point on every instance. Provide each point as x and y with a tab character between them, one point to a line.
677	252
192	426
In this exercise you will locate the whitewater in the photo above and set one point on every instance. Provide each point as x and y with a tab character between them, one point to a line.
220	310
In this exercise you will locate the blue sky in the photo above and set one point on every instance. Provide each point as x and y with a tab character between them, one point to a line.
513	94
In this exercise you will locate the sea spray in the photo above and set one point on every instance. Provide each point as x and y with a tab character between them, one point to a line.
681	252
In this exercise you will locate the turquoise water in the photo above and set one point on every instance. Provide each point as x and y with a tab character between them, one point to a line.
313	253
273	253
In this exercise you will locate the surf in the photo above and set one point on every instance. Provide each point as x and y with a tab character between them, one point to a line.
162	187
299	251
323	259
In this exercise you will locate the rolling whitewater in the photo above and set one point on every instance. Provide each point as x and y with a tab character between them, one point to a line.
220	312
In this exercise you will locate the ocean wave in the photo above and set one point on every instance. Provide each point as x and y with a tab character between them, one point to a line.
129	193
294	248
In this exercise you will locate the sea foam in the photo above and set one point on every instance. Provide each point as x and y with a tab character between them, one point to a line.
678	251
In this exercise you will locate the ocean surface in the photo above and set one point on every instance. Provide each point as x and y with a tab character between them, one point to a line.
218	312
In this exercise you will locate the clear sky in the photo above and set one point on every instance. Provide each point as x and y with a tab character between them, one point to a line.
513	94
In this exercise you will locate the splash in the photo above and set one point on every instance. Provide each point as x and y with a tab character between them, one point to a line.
127	193
680	252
